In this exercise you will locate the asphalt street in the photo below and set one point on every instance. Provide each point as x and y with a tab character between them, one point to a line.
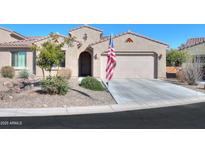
186	116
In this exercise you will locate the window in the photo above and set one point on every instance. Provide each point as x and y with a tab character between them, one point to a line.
19	59
200	59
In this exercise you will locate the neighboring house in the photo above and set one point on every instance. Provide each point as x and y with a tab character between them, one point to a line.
195	47
137	56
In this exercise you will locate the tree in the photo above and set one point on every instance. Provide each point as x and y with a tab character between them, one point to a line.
50	53
176	58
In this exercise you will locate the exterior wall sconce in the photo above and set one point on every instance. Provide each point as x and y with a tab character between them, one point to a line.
96	56
85	37
160	56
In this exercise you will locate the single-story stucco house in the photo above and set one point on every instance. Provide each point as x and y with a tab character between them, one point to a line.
137	56
195	47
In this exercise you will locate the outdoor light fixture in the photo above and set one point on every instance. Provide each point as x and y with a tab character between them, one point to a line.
85	37
96	56
160	56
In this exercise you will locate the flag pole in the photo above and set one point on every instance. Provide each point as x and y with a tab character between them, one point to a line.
107	79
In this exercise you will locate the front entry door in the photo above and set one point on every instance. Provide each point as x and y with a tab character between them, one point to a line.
85	64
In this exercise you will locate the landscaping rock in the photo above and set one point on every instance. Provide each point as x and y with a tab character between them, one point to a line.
201	85
17	90
77	96
8	84
6	95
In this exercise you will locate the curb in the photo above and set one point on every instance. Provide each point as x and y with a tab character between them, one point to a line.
30	112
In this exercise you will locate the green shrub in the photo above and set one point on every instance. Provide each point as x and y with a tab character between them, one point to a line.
55	85
92	84
24	74
7	72
65	73
176	58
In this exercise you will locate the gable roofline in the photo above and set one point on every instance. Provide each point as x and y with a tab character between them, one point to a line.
28	42
56	34
132	33
13	32
192	42
86	26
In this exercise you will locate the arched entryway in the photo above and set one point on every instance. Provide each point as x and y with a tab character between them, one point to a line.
85	64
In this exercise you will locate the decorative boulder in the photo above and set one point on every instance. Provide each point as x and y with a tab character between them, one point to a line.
8	84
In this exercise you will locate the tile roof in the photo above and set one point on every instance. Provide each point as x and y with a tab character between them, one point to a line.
23	43
129	32
86	27
192	42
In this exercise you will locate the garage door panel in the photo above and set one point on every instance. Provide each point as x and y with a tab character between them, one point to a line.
132	66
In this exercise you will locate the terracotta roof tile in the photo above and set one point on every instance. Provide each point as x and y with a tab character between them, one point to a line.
23	43
192	42
86	27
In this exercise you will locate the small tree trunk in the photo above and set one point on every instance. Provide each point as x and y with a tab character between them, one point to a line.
57	70
49	72
43	73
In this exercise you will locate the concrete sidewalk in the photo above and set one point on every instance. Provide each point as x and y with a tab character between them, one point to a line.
28	112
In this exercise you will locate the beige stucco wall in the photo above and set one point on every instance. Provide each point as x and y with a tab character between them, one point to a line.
139	44
73	54
5	36
5	58
196	50
92	36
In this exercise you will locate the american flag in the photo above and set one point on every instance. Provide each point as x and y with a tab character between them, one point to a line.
111	61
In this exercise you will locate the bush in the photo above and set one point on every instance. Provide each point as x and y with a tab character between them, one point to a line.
180	75
175	58
24	74
7	72
92	84
55	85
193	72
65	73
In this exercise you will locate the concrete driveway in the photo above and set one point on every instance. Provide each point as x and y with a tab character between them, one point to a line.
146	92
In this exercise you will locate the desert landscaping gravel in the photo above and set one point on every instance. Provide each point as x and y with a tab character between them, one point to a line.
77	96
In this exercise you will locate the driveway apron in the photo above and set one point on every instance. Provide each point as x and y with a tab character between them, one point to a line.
144	90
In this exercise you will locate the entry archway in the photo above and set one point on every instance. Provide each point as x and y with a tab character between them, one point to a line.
85	62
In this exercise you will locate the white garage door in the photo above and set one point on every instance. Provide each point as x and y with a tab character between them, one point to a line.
131	66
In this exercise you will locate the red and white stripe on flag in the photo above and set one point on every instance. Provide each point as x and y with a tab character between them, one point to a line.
111	61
